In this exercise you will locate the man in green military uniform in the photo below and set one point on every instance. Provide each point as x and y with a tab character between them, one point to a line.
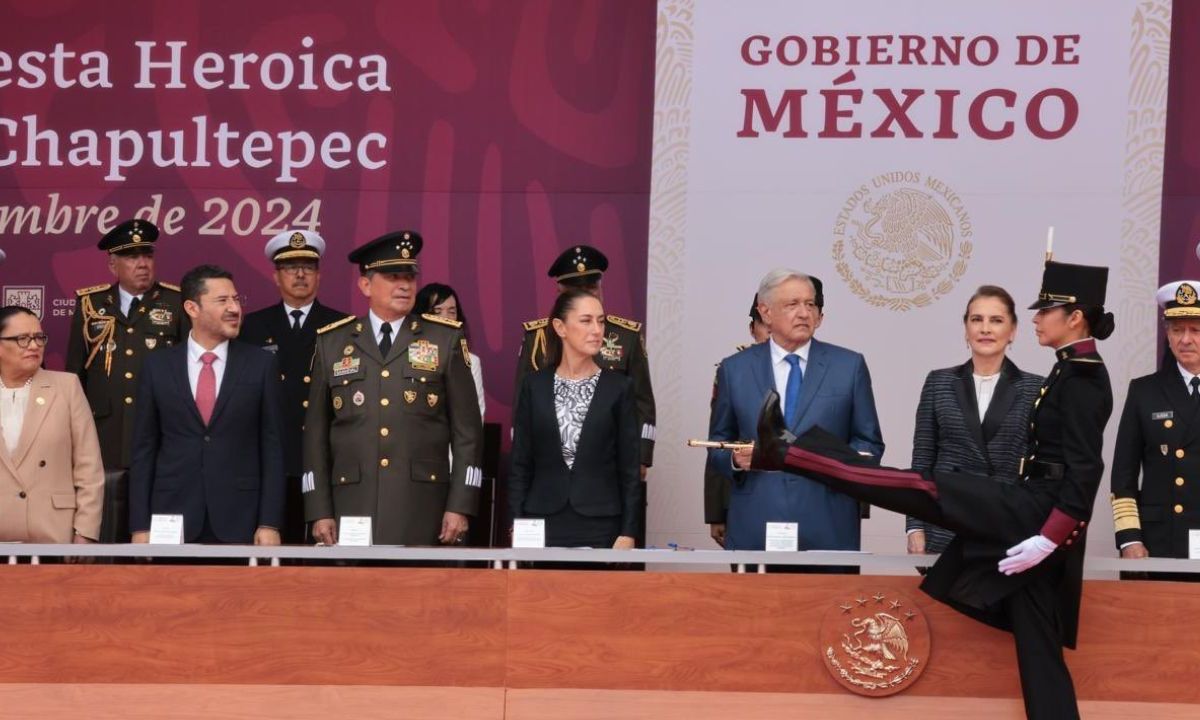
391	397
624	349
114	327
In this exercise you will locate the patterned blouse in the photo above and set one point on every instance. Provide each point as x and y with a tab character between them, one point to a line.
571	401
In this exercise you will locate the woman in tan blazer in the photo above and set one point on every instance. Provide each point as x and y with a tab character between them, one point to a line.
51	477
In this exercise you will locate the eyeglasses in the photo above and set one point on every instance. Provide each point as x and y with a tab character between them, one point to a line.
23	341
294	270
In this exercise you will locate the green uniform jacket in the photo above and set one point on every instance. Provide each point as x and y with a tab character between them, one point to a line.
624	350
379	432
105	349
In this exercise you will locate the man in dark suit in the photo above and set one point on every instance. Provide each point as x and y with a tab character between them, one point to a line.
289	330
1158	440
207	442
821	384
114	328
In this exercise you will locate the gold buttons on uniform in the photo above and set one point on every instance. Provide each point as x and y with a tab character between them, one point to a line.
282	377
383	462
128	376
1178	509
129	331
128	351
386	373
383	401
128	400
305	403
433	477
1179	482
1168	424
1042	391
341	480
1179	453
383	432
307	379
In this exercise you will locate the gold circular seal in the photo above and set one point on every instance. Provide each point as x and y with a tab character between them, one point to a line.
296	240
902	240
337	402
875	644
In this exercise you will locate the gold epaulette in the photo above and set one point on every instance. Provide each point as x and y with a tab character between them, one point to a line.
95	288
441	320
627	324
169	286
536	324
335	324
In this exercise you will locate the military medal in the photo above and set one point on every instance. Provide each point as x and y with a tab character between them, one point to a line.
159	316
432	399
423	355
359	398
346	366
466	353
337	402
151	342
410	396
348	350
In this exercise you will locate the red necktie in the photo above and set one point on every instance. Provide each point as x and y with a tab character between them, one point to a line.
206	387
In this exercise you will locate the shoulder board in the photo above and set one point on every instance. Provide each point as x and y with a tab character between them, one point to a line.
335	324
441	320
627	324
169	286
536	324
95	288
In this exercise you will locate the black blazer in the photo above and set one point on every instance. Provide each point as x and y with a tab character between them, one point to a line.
230	470
605	479
270	329
948	435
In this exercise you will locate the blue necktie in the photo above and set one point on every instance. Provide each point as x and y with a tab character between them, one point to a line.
791	406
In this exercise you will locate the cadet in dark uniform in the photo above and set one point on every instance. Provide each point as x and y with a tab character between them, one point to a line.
289	329
1159	440
391	396
716	485
624	350
1017	560
114	327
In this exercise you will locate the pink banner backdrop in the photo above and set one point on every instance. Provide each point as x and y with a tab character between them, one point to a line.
1179	252
503	131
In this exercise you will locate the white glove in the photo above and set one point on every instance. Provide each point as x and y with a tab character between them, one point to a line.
1026	554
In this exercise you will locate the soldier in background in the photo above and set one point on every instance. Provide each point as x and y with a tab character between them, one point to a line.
391	396
288	328
624	348
114	327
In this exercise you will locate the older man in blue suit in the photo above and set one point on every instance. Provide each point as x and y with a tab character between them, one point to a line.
821	384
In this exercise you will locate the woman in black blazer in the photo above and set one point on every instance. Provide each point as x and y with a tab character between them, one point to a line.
575	450
951	433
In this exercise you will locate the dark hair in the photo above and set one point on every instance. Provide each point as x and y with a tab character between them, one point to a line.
9	311
1100	324
755	315
563	304
818	292
194	281
996	292
436	294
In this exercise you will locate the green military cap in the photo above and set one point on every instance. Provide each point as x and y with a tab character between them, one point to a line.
394	252
132	237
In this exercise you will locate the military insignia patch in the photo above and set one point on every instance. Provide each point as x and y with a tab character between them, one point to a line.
296	240
151	343
358	399
410	396
161	316
611	351
423	355
466	353
1185	295
348	350
271	348
337	402
345	366
432	399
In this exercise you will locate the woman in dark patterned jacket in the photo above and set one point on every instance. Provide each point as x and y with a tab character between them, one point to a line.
974	418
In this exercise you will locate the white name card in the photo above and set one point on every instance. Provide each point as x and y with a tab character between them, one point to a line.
782	537
354	531
529	533
166	529
1193	544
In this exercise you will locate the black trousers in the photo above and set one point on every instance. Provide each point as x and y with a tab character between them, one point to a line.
953	501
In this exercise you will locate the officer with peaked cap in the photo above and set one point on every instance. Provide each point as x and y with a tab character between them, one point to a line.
624	348
1158	441
391	395
288	328
114	327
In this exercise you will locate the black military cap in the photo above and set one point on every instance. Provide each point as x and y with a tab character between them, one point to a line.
394	252
580	261
131	237
1067	284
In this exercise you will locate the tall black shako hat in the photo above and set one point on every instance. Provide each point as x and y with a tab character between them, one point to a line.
1069	284
131	237
579	265
394	252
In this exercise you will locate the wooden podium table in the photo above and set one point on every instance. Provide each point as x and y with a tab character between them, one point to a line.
296	642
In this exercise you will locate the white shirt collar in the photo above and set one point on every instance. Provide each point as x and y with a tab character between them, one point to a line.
778	353
287	309
126	298
1187	375
195	350
377	323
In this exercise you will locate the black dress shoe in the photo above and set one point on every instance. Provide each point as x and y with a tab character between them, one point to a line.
773	436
